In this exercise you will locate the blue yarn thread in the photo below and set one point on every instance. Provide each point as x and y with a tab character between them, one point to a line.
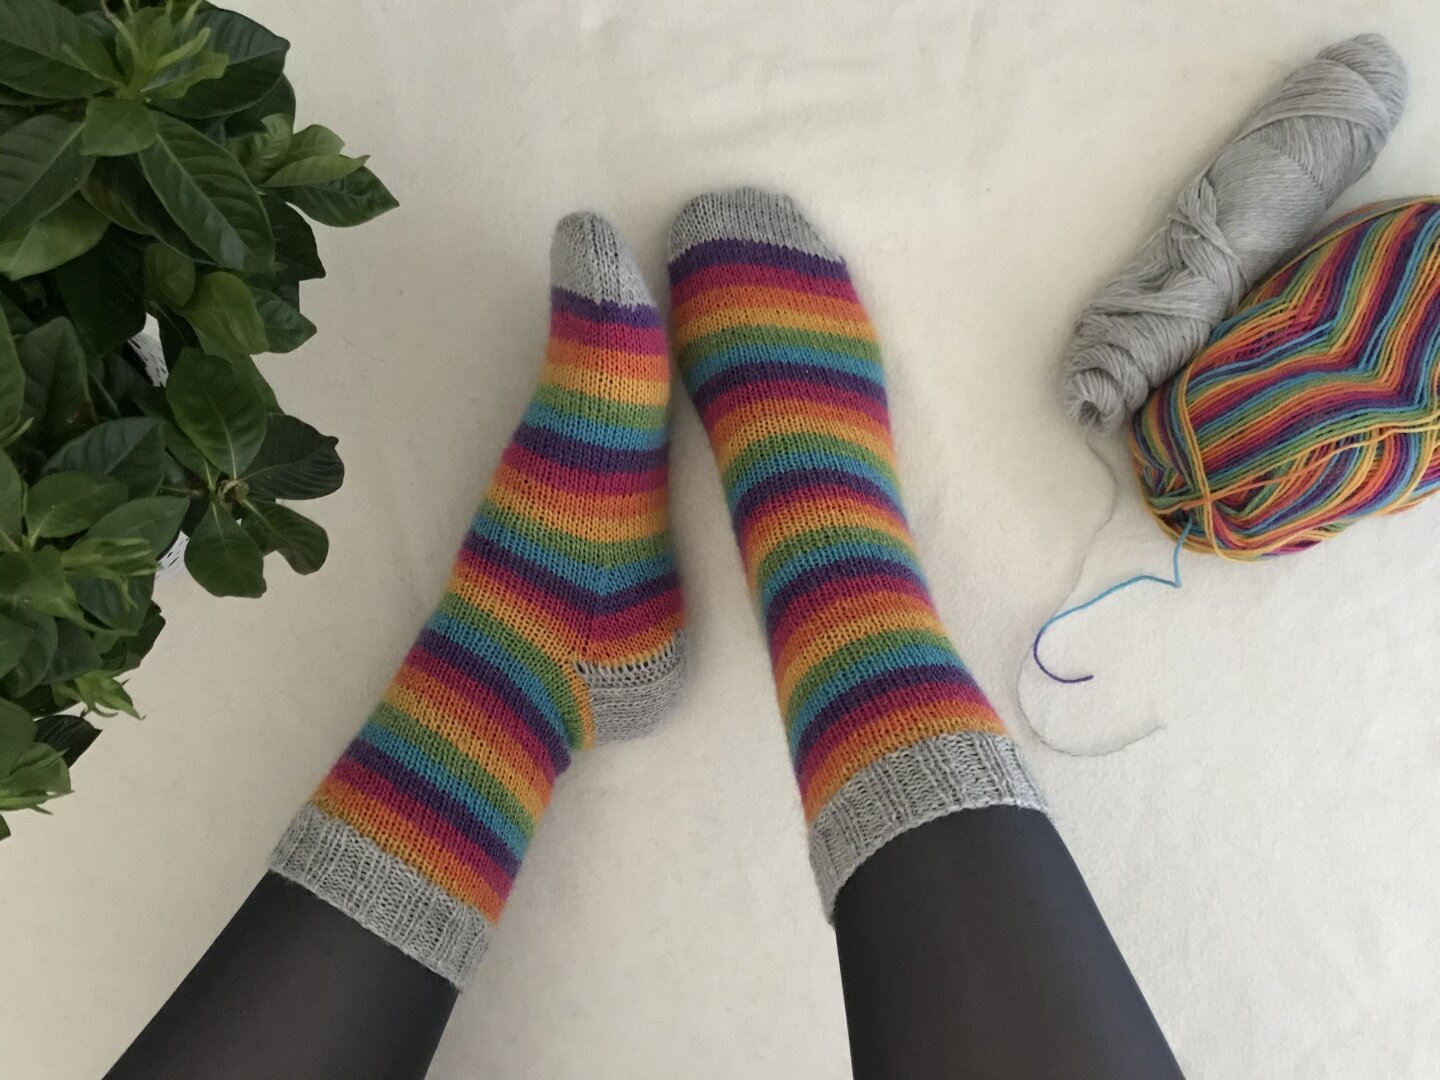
1173	582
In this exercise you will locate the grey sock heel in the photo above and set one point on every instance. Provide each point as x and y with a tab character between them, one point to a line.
632	699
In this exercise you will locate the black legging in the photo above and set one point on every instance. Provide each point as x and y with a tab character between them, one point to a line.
969	948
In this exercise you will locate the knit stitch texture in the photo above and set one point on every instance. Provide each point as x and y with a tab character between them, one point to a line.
561	627
886	727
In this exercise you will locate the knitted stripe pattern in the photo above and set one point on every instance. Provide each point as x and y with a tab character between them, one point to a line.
1316	404
886	727
560	627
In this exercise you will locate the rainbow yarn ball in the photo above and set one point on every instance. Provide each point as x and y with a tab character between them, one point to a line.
1316	404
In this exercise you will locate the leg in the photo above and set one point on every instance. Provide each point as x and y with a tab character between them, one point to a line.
292	987
974	940
560	628
954	890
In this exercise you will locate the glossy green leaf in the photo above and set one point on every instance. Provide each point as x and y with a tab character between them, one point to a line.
218	409
264	151
178	80
64	234
315	170
98	692
169	276
314	141
101	292
257	59
112	560
39	776
12	306
119	190
303	543
35	581
17	734
12	378
247	367
296	256
40	167
48	51
352	200
65	503
223	558
156	520
138	645
209	197
57	391
12	116
279	101
12	497
115	127
119	606
131	450
295	462
70	735
222	311
34	660
285	328
14	640
75	654
179	446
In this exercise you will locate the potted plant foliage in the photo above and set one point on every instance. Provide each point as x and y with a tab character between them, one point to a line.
151	175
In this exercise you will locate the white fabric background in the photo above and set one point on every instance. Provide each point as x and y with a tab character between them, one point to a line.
1267	862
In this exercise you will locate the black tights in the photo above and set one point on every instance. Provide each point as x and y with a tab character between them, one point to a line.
969	948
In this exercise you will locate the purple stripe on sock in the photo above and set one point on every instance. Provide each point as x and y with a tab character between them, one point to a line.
604	311
763	374
884	682
443	805
812	480
722	252
900	568
579	454
484	672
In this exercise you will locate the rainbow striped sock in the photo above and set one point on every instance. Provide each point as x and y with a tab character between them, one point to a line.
560	628
887	729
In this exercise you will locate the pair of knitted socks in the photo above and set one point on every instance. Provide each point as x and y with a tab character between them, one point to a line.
562	625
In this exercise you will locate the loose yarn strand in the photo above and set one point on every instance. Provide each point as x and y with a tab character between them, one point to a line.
1041	733
1172	582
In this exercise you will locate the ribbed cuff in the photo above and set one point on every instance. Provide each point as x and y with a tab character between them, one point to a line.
382	893
907	788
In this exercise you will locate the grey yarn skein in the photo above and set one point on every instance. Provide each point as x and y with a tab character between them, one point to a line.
1261	197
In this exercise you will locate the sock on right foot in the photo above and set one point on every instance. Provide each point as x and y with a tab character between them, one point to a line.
887	729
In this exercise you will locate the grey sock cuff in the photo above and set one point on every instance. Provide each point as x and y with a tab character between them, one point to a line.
382	893
907	788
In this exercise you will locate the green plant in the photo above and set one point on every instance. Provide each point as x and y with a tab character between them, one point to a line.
149	166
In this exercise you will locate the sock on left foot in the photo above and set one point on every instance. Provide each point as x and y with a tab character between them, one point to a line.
561	627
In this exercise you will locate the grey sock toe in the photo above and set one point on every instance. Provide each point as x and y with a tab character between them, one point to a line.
745	214
588	258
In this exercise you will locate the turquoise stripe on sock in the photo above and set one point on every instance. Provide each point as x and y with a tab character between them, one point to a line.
778	465
749	353
400	749
475	641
